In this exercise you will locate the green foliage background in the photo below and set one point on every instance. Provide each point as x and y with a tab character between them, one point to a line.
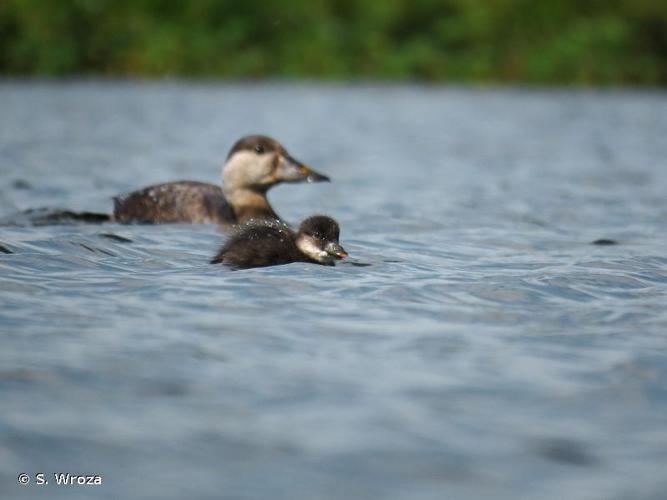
532	41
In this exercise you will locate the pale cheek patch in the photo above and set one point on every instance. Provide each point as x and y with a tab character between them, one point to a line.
246	168
310	248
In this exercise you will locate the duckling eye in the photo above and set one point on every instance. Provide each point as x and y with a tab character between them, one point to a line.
259	149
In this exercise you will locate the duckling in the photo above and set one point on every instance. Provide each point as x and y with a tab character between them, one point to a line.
254	164
270	243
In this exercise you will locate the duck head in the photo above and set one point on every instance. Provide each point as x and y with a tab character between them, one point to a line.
317	238
257	162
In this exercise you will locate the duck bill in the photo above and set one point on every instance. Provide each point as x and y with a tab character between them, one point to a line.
292	170
335	250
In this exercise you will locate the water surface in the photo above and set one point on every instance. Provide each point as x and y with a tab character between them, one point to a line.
487	350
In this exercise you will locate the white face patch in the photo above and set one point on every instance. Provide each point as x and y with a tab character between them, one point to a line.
245	169
309	246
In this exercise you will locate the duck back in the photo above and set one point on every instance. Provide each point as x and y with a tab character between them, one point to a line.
259	245
182	201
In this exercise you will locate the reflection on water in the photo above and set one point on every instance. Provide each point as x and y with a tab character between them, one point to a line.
475	345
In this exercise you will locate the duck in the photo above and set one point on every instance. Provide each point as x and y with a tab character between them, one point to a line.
261	243
254	165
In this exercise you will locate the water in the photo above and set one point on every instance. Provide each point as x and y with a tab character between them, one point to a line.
487	350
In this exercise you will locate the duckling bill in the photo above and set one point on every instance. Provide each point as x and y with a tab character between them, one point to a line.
270	243
254	164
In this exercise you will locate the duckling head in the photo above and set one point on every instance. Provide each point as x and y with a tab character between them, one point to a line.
318	239
257	162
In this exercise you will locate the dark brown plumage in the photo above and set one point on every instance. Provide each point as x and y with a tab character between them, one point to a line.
270	243
254	164
258	144
258	244
196	202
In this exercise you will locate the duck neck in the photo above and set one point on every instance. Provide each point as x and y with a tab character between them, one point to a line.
249	204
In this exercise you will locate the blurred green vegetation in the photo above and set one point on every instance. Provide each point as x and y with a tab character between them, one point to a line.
534	41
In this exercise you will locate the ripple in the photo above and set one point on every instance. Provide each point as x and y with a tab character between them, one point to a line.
475	345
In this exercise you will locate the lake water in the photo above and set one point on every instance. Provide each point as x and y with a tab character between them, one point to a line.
485	349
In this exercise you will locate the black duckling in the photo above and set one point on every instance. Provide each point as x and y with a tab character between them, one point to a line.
270	243
254	164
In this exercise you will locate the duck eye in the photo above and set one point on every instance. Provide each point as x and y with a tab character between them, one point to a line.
259	149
